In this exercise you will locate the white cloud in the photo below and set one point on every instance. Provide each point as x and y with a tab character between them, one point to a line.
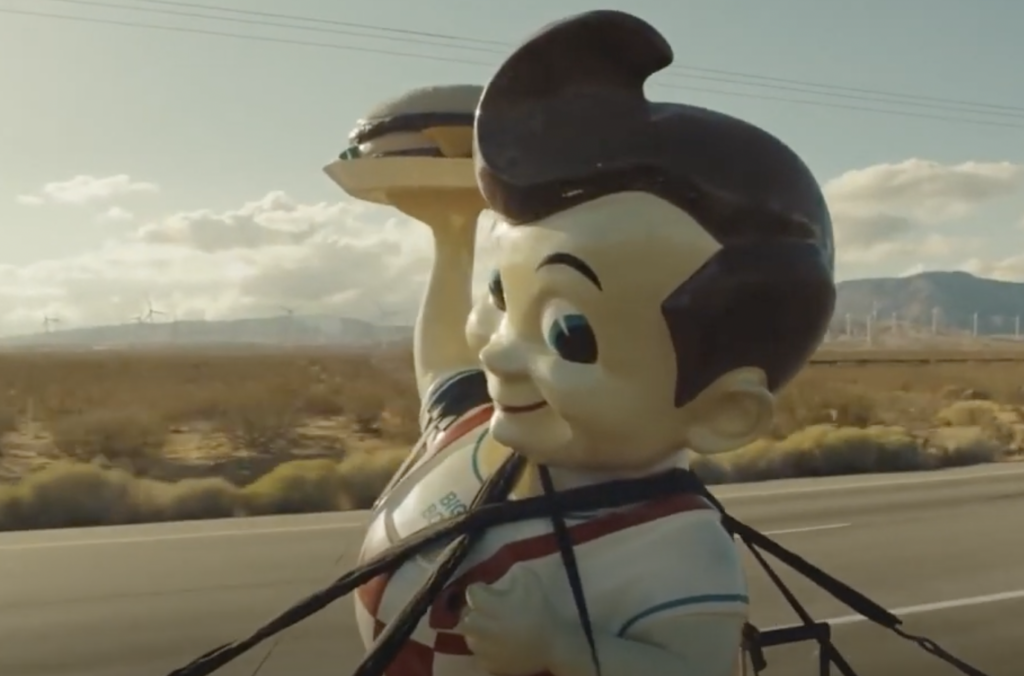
913	270
343	258
927	245
115	214
274	220
1010	269
885	210
355	259
83	189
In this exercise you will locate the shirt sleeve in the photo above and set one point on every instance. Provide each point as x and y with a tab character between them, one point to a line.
451	398
454	406
689	565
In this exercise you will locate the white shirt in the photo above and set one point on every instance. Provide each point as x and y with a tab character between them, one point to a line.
666	556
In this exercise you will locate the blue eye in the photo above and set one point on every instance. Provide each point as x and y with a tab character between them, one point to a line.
571	336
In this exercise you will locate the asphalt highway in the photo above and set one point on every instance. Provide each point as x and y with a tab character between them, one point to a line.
945	549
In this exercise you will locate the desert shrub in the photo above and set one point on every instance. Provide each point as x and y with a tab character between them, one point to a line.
187	500
364	475
827	450
970	412
78	494
119	406
258	424
70	495
9	419
970	445
322	400
400	422
296	487
800	406
117	435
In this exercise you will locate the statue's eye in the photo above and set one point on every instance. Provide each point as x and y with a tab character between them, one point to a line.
568	332
497	291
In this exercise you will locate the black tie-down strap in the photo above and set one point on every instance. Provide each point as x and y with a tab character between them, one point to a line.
490	509
755	641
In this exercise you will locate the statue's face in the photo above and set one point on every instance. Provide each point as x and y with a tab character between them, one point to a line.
577	354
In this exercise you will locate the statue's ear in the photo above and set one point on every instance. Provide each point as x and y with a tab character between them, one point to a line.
735	410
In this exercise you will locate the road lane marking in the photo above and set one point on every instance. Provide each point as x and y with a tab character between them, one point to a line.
181	536
807	529
272	531
940	605
923	608
869	484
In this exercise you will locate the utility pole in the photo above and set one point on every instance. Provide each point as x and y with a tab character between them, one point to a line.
849	326
868	324
974	326
935	321
1016	328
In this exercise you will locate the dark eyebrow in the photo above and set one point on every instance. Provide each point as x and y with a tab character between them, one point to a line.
577	264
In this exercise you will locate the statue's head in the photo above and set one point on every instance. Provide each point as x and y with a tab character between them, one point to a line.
663	269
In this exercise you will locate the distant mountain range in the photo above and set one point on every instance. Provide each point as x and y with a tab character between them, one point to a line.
299	330
953	297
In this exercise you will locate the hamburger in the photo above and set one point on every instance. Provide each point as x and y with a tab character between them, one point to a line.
420	140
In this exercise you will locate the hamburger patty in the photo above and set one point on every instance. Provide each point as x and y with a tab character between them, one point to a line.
401	135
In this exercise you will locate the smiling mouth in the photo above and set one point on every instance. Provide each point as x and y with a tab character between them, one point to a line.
526	408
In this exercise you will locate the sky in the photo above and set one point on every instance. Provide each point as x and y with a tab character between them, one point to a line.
183	164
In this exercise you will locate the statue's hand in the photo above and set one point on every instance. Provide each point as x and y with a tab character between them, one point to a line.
511	626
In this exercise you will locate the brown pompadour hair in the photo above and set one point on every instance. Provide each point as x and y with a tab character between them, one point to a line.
565	121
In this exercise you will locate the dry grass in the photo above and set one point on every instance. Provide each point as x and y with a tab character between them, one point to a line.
105	437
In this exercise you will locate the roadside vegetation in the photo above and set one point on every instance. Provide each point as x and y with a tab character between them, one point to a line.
131	437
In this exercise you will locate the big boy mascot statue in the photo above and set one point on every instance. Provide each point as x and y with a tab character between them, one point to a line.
662	270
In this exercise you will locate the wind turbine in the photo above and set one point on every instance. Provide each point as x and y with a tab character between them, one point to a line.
151	312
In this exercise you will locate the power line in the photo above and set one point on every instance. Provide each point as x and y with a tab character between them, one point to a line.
839	106
673	69
460	61
859	97
330	22
404	39
860	90
254	38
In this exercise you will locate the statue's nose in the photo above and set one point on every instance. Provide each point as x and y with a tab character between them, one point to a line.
505	357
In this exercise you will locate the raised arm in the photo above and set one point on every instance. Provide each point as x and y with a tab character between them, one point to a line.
440	347
415	153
